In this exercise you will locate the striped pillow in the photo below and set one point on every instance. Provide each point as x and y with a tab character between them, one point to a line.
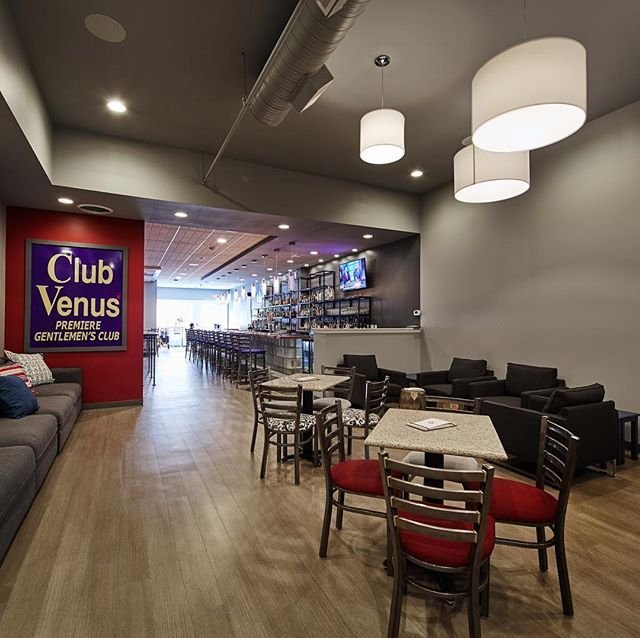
15	370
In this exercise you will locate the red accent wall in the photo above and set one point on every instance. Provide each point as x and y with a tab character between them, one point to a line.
108	376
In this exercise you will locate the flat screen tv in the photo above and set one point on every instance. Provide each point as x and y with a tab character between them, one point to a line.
353	275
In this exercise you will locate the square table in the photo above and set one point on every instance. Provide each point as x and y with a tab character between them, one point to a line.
310	383
473	435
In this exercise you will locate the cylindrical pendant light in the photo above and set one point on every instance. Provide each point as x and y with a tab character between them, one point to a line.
382	130
529	96
382	136
482	176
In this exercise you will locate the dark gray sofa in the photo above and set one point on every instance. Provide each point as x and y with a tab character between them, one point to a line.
28	447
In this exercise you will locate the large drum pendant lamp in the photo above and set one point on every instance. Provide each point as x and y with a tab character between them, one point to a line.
529	96
481	176
382	130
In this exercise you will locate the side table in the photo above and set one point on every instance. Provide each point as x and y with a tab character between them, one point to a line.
632	419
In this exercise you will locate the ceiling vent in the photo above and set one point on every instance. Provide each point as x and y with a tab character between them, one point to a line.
95	209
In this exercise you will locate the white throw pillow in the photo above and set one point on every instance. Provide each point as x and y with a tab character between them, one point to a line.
37	371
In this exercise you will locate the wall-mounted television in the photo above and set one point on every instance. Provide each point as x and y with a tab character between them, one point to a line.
353	275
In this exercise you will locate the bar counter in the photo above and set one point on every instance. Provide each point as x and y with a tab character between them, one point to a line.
286	353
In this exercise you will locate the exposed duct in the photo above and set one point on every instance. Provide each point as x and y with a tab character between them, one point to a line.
313	32
312	38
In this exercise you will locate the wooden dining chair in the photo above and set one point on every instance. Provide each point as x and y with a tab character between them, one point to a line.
256	377
343	392
426	535
358	477
359	422
284	425
532	506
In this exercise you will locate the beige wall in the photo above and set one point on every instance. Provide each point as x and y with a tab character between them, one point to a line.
549	278
3	252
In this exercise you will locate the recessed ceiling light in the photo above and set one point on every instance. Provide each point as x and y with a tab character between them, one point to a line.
221	240
181	214
243	266
194	264
354	250
236	268
337	256
321	261
254	261
279	274
184	274
367	236
289	261
116	106
176	279
269	269
254	274
284	226
416	172
65	200
313	252
306	265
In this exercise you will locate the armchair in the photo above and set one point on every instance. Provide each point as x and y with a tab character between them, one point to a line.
520	383
457	380
367	370
584	414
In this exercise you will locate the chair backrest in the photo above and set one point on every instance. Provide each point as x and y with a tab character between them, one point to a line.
364	364
343	390
243	341
557	451
281	403
331	436
375	396
256	377
424	514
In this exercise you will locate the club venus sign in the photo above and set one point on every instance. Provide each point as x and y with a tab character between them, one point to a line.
75	297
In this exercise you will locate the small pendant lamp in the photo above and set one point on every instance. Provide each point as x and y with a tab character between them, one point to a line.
382	130
481	176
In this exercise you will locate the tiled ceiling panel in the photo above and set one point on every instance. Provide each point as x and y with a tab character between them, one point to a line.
184	254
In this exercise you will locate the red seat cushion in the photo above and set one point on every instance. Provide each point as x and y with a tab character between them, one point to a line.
516	502
444	552
358	475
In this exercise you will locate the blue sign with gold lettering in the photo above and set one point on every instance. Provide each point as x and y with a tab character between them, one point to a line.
75	297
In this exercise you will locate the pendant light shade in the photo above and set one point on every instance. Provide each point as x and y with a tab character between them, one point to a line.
482	176
382	136
529	96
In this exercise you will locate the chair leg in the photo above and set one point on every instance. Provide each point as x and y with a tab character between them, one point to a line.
326	523
255	433
366	447
563	575
340	513
349	440
396	603
542	551
486	592
296	458
474	606
265	454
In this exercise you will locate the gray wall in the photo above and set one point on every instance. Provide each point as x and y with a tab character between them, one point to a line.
393	277
150	304
3	252
549	278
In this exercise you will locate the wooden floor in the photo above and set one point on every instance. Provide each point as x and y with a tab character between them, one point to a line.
153	522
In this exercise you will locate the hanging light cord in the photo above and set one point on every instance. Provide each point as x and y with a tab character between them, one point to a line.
382	85
524	19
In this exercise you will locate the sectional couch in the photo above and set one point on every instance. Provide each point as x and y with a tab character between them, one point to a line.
28	447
